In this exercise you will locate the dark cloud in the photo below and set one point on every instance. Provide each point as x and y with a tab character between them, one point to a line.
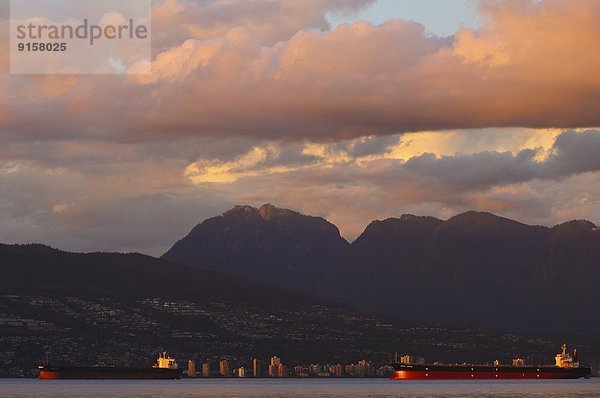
371	146
479	170
572	153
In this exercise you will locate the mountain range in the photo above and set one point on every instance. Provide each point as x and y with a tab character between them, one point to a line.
268	281
123	309
475	269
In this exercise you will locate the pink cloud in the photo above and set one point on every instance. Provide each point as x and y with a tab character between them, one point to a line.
532	64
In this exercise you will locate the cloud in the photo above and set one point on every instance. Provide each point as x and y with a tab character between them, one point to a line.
353	188
62	208
75	211
262	101
532	64
571	153
272	20
132	196
227	172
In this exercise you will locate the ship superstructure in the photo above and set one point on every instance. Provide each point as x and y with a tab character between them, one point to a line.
165	361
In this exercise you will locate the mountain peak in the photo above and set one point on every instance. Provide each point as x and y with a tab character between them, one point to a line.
474	214
575	226
268	212
408	217
482	219
276	246
240	209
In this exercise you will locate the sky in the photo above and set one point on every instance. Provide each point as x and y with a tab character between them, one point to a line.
440	17
353	110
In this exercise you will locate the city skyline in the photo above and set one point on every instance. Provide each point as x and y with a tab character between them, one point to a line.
276	368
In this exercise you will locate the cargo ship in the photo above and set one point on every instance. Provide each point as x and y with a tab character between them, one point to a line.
565	367
165	368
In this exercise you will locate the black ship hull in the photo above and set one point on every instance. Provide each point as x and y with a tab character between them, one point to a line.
107	373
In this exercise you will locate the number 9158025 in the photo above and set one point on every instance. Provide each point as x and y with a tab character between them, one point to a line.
42	46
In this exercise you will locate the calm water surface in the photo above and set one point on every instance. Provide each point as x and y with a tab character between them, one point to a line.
294	388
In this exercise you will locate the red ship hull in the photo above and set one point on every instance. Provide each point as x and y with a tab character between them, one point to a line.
461	372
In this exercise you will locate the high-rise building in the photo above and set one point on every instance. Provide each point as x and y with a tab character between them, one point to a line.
365	369
224	368
240	372
337	370
206	369
385	371
257	367
315	369
274	366
300	371
281	370
191	371
349	370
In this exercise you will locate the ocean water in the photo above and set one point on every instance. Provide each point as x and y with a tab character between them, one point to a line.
299	388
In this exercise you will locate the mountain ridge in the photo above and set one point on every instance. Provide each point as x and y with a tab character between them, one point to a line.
473	264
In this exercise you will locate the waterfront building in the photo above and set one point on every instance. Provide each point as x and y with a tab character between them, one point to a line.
385	371
274	366
191	372
300	371
281	370
337	370
224	369
257	367
349	370
240	372
315	369
365	369
206	369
